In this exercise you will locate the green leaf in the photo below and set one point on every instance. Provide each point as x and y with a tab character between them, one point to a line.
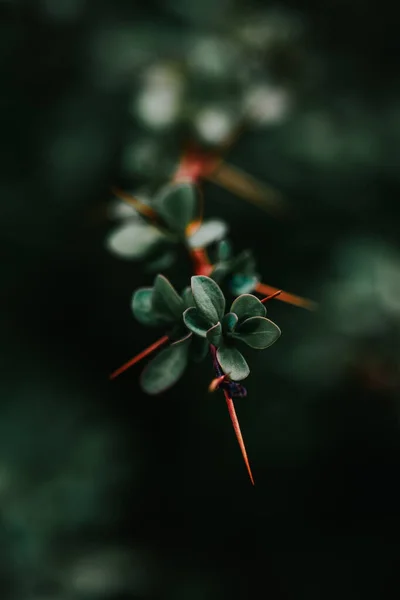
187	297
243	284
133	240
208	298
214	335
229	322
258	332
195	322
178	205
165	369
233	363
246	306
143	309
224	250
198	349
208	232
166	300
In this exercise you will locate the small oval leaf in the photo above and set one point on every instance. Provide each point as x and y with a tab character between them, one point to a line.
118	209
208	298
143	309
165	369
246	306
195	322
166	299
224	251
133	240
177	204
229	322
233	363
209	232
214	335
258	332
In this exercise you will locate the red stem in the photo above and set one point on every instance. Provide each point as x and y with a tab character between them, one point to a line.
268	290
236	427
201	262
278	293
139	356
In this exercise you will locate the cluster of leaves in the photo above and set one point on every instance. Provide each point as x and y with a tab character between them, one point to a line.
150	230
195	320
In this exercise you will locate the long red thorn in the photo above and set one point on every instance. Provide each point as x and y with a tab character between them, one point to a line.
268	290
139	356
278	293
236	427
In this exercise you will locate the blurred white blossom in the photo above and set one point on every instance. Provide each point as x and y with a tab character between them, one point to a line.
214	125
159	101
266	104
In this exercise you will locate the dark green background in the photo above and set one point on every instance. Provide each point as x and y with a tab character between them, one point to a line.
169	483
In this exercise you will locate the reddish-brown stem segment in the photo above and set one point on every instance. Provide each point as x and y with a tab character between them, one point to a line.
214	385
244	185
236	427
194	165
201	262
139	356
267	290
278	293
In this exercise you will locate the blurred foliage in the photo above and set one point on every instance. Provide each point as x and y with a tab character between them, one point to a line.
106	493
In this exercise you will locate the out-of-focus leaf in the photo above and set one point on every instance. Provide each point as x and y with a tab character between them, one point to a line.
133	240
220	271
209	232
165	369
166	300
224	250
229	322
177	204
143	309
243	284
